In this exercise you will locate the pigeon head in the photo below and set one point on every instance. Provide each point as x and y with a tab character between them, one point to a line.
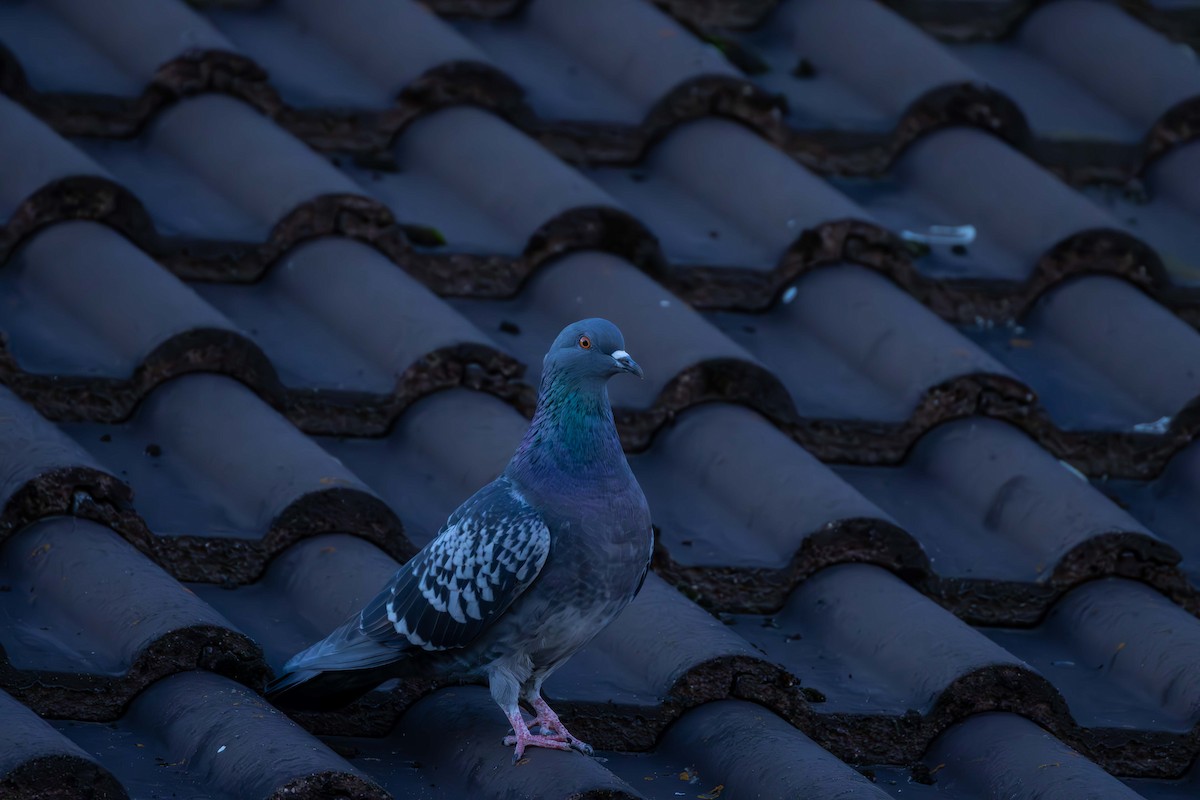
572	432
589	351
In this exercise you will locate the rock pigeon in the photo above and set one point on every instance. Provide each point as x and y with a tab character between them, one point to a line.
522	575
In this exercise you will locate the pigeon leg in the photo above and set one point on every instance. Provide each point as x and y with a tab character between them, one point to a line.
548	719
522	738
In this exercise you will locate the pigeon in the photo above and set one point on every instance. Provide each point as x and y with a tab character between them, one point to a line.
522	575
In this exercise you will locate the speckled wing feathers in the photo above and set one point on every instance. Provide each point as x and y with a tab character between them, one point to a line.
485	556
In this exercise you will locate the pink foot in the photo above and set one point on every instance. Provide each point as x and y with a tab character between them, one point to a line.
546	718
522	738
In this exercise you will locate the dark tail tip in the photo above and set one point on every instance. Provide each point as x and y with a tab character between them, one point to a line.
315	690
290	689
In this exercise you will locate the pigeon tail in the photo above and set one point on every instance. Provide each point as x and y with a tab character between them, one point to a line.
335	671
317	690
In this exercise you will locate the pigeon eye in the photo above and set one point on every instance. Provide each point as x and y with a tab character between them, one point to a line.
585	342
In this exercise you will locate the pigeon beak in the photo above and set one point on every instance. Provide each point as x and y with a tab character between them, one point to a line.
625	363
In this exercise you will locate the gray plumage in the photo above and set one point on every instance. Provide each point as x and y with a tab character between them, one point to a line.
522	575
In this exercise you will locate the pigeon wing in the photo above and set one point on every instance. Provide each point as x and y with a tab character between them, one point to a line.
489	551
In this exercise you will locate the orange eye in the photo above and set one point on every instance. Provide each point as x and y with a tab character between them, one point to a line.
585	343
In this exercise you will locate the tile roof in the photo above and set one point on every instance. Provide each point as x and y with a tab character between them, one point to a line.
276	280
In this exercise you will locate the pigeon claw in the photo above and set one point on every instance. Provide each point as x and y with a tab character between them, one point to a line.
533	740
552	735
547	719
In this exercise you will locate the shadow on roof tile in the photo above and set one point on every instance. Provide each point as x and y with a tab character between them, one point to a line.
880	654
1169	505
1124	658
713	750
47	473
850	345
204	212
386	86
1101	673
93	324
754	753
414	470
725	747
1005	755
198	732
466	758
372	412
739	528
978	517
284	611
951	21
684	79
1181	787
205	217
223	482
37	761
81	282
89	622
994	41
998	517
155	328
1101	355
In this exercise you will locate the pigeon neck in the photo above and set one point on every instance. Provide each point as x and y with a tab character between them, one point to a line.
572	431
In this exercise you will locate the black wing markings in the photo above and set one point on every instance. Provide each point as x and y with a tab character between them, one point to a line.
488	552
